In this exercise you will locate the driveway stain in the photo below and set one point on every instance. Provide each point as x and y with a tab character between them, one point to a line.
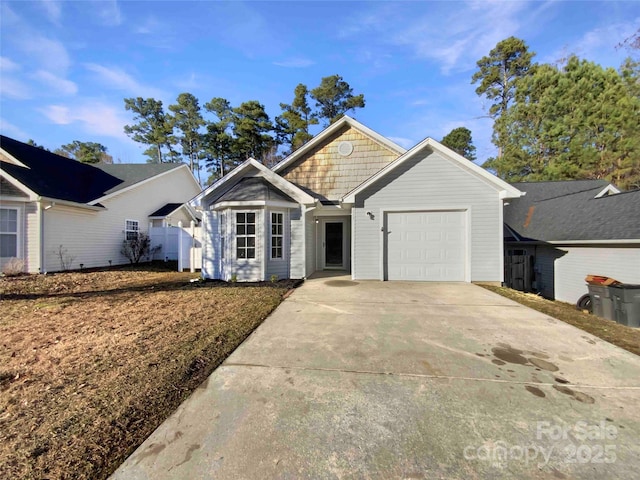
535	391
340	283
543	364
579	396
152	450
510	355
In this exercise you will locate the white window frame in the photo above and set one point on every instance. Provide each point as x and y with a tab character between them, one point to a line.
128	230
276	235
246	236
16	233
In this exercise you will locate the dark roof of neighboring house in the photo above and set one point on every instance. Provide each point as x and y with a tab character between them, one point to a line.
132	173
54	176
568	210
253	188
166	210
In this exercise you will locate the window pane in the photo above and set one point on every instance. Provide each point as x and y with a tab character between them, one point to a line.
279	227
251	253
240	217
251	229
251	241
251	218
242	242
8	220
240	229
241	253
8	245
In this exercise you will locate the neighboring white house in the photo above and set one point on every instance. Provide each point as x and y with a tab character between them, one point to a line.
573	229
352	200
55	211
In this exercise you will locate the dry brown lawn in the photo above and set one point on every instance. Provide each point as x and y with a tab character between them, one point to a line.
92	363
608	330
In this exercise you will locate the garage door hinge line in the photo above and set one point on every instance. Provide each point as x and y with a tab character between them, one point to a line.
427	376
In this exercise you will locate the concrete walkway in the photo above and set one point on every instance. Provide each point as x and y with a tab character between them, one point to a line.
405	380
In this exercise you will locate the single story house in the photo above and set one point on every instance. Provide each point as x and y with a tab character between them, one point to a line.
353	200
572	229
57	213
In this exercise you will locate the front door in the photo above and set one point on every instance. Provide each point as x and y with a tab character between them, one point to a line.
334	245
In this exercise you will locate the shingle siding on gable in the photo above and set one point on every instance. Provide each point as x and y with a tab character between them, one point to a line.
429	182
327	173
8	190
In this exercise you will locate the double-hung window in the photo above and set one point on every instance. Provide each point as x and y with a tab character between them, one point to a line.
131	229
276	234
246	235
8	232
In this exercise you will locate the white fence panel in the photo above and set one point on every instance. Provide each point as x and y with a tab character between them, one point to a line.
183	244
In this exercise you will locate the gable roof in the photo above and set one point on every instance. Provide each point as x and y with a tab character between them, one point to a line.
57	177
506	190
328	132
571	211
165	210
238	173
253	188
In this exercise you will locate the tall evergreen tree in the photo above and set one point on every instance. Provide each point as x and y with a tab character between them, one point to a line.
459	140
252	128
218	139
153	128
580	122
188	120
498	75
85	152
334	97
292	126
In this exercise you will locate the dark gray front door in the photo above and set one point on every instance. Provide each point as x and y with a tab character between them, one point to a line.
333	241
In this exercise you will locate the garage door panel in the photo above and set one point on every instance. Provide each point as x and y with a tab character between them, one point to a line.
427	246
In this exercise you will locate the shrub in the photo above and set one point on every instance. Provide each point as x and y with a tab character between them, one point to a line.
138	247
13	267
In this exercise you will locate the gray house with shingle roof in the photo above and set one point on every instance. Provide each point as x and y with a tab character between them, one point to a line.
572	229
53	207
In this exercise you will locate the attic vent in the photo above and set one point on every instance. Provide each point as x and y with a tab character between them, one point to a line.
345	148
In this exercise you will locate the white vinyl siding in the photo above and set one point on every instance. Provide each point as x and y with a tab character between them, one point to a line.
430	182
571	264
297	244
95	237
280	230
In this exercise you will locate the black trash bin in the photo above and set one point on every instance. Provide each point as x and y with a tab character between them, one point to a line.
626	304
601	301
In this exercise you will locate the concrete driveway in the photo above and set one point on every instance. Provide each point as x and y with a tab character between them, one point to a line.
406	380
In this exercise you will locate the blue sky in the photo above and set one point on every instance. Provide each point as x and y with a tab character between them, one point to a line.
66	66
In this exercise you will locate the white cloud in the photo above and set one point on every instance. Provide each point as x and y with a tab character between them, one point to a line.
91	116
149	26
295	62
58	84
109	12
11	130
599	45
14	88
8	65
118	79
50	54
53	9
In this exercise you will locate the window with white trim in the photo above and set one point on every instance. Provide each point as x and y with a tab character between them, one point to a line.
245	235
131	229
277	237
8	232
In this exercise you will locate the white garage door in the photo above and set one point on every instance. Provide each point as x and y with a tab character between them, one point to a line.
426	246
